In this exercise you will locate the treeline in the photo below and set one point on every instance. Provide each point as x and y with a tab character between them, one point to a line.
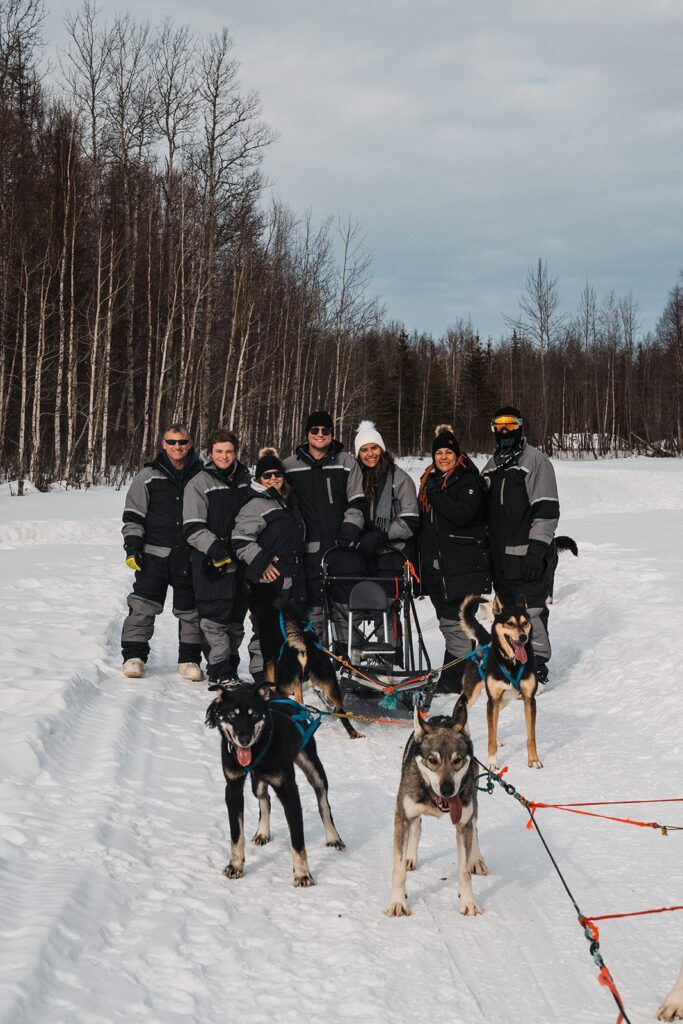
144	279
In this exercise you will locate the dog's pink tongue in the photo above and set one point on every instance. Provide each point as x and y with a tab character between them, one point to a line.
243	755
455	809
520	652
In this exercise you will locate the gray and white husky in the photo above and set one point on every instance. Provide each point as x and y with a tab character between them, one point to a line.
438	776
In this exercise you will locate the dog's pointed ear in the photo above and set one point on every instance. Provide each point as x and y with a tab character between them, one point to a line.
212	712
497	606
521	601
265	690
459	715
420	724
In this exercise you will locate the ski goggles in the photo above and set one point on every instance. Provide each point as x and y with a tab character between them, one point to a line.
502	424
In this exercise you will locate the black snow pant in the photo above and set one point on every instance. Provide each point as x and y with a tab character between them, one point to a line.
217	597
147	601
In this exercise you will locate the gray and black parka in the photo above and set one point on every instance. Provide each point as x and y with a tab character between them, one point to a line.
270	526
210	507
523	511
153	510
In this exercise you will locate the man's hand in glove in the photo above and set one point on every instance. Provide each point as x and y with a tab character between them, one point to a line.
533	565
135	556
218	559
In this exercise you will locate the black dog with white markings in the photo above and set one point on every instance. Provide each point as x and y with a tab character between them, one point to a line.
261	740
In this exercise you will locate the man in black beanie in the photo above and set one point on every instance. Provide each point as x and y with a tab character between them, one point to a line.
523	513
328	484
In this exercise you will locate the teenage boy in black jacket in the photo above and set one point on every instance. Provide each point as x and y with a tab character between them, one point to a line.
210	508
155	549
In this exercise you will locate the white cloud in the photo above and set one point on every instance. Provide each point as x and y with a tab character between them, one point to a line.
472	138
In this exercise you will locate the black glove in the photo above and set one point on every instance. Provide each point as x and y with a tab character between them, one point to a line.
434	481
533	565
348	537
218	560
134	553
371	540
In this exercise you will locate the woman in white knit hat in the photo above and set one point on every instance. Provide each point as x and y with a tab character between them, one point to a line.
394	512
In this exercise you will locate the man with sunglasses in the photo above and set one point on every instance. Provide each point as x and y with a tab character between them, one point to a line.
156	551
328	484
523	511
210	507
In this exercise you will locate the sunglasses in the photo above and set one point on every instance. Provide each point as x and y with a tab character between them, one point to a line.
174	441
271	474
504	423
325	431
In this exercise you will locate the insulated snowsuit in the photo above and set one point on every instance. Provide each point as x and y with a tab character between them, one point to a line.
523	509
211	504
270	526
152	524
454	552
330	495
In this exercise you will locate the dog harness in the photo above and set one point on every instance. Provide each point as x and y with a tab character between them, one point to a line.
482	662
304	718
308	628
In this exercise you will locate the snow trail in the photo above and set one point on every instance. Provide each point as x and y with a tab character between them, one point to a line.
114	833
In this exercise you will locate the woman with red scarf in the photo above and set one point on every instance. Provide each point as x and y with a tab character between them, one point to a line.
454	549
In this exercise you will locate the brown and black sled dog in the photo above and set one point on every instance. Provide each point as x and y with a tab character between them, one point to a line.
292	656
507	669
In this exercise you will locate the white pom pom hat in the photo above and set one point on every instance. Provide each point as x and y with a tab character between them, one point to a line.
368	434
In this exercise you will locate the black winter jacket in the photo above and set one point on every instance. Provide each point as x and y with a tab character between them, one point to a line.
153	513
454	552
330	495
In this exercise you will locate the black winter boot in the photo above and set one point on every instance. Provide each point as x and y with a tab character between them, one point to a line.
542	671
450	680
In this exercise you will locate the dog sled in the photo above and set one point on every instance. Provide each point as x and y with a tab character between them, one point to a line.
380	648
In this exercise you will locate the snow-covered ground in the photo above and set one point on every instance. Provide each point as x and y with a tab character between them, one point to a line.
113	828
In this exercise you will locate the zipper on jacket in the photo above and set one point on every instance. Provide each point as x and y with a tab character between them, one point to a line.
502	488
329	491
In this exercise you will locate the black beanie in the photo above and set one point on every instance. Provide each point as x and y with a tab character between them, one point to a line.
268	459
319	419
507	410
445	438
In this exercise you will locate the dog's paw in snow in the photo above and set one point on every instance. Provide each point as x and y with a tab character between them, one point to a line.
672	1007
233	871
411	864
492	765
535	764
260	838
398	908
303	881
337	844
478	867
469	908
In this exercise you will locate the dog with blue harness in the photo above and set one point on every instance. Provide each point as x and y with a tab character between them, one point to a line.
504	665
264	737
292	655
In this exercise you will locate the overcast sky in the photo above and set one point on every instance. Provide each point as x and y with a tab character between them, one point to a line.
470	139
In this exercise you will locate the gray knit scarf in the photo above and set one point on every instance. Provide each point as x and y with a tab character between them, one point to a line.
383	508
